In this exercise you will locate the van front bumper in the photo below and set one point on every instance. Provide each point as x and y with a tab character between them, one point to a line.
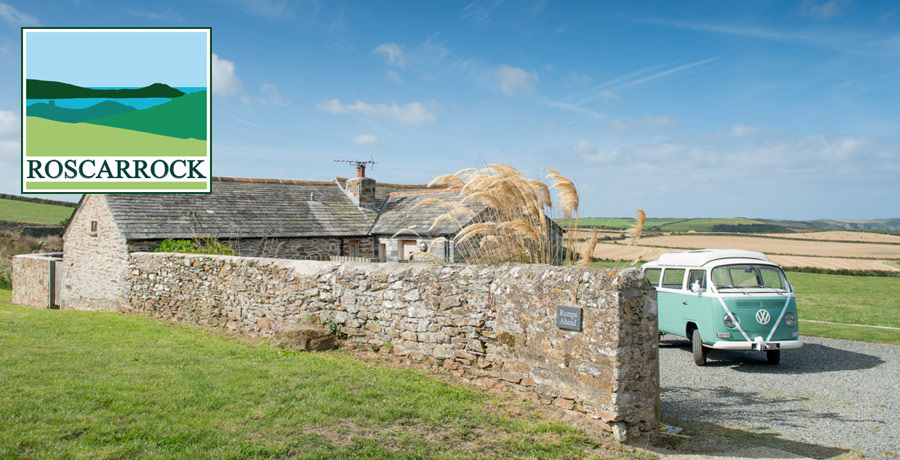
744	345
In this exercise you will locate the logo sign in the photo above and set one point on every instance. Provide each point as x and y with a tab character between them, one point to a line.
116	110
763	317
568	318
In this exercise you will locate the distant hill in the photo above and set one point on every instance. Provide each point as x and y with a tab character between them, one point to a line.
740	224
184	118
43	89
51	111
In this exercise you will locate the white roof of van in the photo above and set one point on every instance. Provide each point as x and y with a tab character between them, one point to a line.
702	257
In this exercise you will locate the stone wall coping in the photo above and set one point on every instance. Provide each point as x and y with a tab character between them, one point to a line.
42	255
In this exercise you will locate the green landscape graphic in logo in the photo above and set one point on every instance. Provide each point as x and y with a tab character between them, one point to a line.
116	110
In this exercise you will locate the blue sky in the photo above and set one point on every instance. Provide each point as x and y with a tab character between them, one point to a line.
775	109
125	58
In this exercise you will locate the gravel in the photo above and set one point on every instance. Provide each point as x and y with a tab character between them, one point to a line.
830	393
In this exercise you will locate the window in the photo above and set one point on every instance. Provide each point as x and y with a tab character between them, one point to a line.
93	228
697	276
673	278
652	275
353	249
749	276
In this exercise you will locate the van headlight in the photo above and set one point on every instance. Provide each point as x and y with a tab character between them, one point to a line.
790	319
728	321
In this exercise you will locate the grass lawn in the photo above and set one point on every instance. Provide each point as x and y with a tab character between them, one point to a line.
106	385
38	213
868	300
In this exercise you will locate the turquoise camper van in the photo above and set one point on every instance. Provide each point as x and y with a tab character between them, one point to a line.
725	299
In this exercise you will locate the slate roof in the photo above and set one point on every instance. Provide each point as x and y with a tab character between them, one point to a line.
399	214
242	208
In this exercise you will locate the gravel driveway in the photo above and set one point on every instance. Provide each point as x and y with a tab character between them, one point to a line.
832	393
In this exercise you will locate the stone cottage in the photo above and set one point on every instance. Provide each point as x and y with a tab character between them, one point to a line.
289	219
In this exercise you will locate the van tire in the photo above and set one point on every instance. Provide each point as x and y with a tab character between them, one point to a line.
699	351
773	357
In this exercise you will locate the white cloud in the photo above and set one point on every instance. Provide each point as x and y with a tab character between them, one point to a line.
367	139
594	154
9	125
15	17
413	113
823	10
608	96
579	78
513	80
645	124
393	54
225	82
739	131
166	16
394	76
269	95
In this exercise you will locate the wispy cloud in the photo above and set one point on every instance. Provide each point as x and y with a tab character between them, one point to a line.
393	54
9	125
486	12
575	108
593	154
664	73
166	16
515	80
269	95
367	139
15	17
819	9
271	9
225	82
413	113
642	125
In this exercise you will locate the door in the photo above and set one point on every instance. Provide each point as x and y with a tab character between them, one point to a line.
670	297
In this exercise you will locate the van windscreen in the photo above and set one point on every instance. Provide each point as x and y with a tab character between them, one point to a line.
749	276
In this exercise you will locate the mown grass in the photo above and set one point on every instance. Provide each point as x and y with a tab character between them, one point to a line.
37	213
705	225
846	299
105	385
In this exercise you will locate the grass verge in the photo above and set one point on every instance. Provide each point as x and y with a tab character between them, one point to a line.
105	385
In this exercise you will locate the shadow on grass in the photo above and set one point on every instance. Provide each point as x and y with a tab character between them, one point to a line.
709	438
812	358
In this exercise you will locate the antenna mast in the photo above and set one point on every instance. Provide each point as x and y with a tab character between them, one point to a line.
360	165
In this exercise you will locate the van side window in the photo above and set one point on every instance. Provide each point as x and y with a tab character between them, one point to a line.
673	278
697	276
652	275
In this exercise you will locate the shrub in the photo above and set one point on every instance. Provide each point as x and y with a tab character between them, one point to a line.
6	279
205	246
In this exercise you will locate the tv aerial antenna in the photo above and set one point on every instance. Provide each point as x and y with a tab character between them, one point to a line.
360	163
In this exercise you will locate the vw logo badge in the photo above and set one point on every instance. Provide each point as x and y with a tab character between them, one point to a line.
763	317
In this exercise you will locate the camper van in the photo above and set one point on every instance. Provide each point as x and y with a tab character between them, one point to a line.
725	299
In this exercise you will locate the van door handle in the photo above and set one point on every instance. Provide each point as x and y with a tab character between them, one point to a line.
684	302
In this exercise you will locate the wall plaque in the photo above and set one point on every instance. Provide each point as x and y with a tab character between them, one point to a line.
568	318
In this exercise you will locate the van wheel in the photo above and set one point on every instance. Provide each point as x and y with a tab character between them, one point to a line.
699	351
773	356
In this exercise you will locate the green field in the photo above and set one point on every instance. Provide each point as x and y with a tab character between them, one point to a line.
37	213
664	224
105	385
55	138
619	222
183	117
846	299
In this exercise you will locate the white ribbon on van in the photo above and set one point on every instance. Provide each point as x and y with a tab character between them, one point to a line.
738	325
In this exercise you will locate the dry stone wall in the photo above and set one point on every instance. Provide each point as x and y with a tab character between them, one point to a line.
31	280
486	323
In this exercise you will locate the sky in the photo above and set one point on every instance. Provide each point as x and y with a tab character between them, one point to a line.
131	59
769	109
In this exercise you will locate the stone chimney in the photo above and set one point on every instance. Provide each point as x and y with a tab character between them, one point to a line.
362	188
